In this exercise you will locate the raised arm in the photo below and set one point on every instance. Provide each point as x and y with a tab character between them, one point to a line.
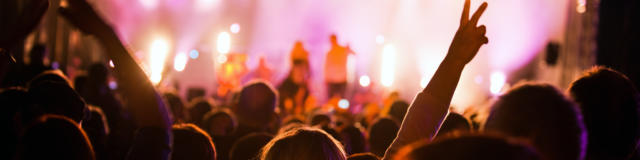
141	98
430	107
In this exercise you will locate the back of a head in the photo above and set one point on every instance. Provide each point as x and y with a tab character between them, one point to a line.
96	128
353	140
13	101
453	124
381	135
320	119
468	147
219	122
609	104
303	143
49	76
398	110
191	142
363	156
55	137
58	98
177	106
37	53
249	146
198	107
542	115
256	104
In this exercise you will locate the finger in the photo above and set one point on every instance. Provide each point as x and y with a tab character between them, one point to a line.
482	29
485	40
477	14
465	13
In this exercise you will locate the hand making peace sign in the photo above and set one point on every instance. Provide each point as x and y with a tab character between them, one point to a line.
469	37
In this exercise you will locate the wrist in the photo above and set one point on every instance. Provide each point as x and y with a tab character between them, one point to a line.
453	62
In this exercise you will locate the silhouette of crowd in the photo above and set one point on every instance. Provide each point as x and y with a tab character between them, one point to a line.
48	116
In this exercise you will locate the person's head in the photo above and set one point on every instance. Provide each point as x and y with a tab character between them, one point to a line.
303	143
353	140
98	74
381	134
333	39
13	101
320	120
49	75
177	106
454	123
58	98
37	54
289	127
609	104
468	147
220	122
363	156
197	108
543	115
55	137
97	130
256	104
191	142
398	110
248	147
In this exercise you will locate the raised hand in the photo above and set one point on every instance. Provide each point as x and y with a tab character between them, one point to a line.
469	37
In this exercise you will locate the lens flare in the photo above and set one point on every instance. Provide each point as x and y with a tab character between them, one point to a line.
158	54
343	103
388	65
234	28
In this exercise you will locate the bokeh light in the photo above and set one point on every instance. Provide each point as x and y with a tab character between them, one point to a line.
498	80
158	54
343	103
388	65
193	54
234	28
180	61
365	81
224	42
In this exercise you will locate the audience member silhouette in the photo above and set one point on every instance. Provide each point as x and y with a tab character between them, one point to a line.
363	156
255	108
220	124
96	128
468	147
454	124
198	107
543	115
191	142
303	143
353	140
381	134
609	103
177	107
55	137
249	146
398	109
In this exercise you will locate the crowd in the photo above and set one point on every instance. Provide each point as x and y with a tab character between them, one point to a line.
49	116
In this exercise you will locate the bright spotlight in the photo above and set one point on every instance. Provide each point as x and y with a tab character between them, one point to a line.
234	28
224	42
111	64
343	103
424	81
180	61
193	54
388	65
149	4
379	39
206	5
498	80
158	53
365	81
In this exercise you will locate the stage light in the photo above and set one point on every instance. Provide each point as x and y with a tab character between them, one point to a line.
113	85
180	61
111	64
159	50
149	4
380	39
224	42
365	81
234	28
206	5
55	65
388	65
343	103
193	54
498	80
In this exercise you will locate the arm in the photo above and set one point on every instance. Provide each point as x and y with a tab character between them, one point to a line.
142	99
429	108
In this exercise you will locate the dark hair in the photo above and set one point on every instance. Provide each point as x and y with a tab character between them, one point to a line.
97	130
468	147
209	118
398	110
49	76
191	142
453	124
98	73
198	107
363	156
609	104
353	140
320	119
13	100
55	137
543	115
256	104
177	106
248	147
381	135
303	143
58	98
